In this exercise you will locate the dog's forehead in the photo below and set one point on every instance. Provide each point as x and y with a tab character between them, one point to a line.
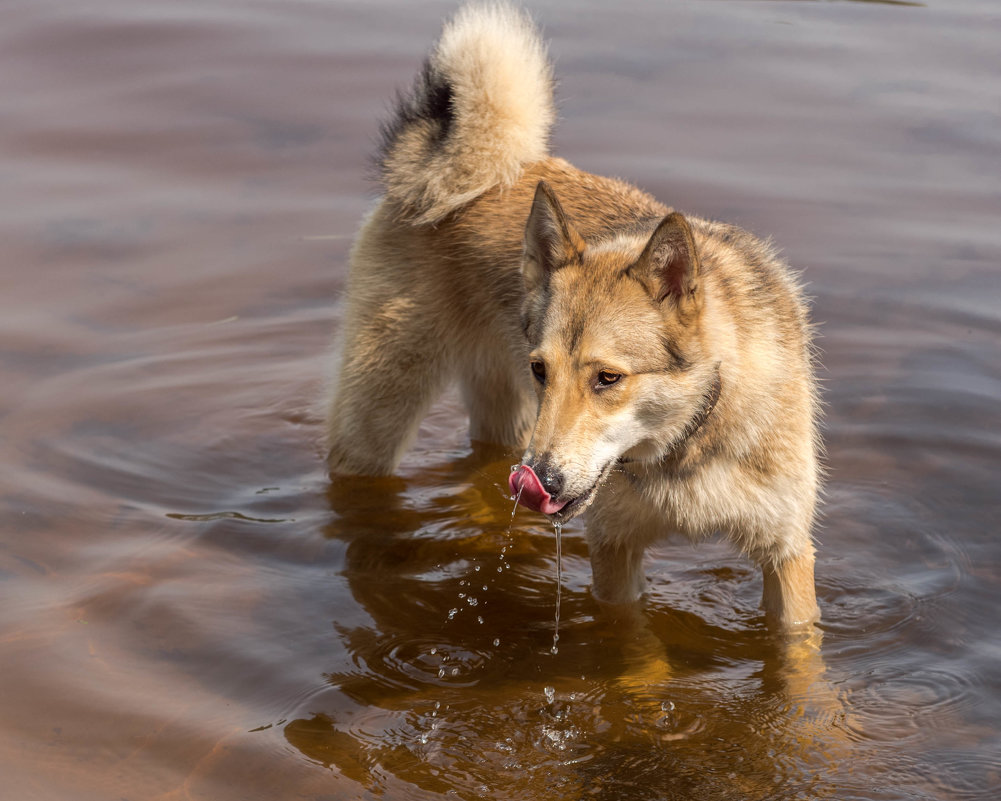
597	311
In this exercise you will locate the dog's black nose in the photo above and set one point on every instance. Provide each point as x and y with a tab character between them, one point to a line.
550	476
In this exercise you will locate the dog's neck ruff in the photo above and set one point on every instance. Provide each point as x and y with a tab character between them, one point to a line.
709	401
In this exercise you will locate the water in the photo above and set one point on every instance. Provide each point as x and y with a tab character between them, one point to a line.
554	649
190	610
558	530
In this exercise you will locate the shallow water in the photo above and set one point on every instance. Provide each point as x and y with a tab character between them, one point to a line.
190	610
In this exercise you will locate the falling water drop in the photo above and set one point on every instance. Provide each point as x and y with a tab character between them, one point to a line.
514	511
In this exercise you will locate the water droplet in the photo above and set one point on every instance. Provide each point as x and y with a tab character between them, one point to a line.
434	651
472	601
550	693
496	641
441	673
476	568
479	620
452	613
514	511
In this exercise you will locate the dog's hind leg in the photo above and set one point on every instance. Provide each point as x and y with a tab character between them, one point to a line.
393	367
498	395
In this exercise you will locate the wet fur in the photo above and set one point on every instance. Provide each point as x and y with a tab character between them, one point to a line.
485	253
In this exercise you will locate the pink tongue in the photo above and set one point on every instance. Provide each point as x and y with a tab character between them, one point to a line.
524	481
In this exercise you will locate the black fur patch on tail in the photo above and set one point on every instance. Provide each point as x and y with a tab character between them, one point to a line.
430	102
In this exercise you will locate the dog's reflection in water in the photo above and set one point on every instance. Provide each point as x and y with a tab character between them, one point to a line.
454	680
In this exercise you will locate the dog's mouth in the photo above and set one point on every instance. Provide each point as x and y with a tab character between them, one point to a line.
527	489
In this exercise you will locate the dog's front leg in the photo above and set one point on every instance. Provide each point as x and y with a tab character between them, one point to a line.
790	605
789	597
620	526
617	570
616	563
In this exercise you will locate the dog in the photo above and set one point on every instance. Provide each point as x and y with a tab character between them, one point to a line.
657	368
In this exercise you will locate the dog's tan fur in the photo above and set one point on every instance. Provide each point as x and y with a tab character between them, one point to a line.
486	260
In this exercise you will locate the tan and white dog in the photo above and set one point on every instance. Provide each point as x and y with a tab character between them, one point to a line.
658	367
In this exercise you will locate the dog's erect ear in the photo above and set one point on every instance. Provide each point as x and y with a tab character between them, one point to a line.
550	241
669	266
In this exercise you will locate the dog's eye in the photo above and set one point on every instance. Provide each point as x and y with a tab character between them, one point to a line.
539	371
606	378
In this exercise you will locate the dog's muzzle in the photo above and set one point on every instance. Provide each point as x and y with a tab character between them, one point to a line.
527	488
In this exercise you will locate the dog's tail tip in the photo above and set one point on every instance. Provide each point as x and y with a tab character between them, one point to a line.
481	109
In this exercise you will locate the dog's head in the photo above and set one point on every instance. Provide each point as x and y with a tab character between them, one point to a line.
616	351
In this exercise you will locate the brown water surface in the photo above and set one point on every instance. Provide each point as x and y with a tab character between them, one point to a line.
190	610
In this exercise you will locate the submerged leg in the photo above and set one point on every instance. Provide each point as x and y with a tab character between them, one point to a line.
789	596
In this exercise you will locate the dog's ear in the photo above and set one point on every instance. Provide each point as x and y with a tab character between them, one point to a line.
550	240
669	266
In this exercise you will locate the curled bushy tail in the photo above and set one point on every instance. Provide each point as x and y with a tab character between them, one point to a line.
481	109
